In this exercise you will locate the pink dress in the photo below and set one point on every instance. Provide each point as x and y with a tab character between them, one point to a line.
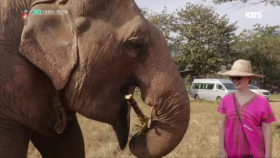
253	113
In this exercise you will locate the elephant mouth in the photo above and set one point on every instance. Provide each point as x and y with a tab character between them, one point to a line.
122	123
121	127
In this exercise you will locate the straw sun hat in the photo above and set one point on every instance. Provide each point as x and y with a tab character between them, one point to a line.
240	68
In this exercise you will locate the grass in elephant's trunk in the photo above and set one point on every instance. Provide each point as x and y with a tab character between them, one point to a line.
201	140
144	120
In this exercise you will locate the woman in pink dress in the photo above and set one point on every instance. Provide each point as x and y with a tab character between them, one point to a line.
249	135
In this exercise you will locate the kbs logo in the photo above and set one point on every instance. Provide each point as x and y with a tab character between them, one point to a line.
253	15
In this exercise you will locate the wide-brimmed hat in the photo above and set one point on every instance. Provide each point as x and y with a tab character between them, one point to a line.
240	68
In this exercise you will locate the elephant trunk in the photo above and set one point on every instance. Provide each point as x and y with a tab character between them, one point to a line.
167	129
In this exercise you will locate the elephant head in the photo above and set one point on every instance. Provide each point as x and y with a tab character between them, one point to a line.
95	53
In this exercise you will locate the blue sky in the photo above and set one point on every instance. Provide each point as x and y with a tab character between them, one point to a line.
270	14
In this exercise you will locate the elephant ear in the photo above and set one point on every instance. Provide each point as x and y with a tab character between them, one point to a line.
50	43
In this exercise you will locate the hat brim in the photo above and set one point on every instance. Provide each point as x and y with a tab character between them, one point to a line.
239	73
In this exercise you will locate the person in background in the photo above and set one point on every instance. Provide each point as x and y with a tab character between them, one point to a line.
246	117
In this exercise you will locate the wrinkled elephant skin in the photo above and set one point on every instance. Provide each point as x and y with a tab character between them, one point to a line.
88	58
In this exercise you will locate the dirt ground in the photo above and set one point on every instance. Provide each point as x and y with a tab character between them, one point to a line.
274	103
200	141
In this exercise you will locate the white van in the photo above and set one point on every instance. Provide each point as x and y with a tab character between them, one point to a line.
211	89
259	91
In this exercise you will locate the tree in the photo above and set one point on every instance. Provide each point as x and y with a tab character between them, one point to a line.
162	20
261	46
249	2
204	38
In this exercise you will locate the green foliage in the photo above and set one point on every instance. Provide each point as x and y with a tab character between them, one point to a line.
204	38
187	82
249	2
162	20
261	46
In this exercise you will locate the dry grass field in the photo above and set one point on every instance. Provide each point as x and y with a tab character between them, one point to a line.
275	97
201	139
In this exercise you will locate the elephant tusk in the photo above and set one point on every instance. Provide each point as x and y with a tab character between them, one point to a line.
142	118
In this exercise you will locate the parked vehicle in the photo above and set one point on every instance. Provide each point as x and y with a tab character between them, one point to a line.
257	90
275	91
275	88
211	89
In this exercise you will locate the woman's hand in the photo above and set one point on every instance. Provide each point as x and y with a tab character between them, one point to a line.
223	153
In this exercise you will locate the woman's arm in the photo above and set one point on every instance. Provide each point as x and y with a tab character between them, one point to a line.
222	152
267	139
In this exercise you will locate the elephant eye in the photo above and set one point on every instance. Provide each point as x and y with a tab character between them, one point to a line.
134	46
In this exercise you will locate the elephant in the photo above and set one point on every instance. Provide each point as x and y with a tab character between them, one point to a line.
84	60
